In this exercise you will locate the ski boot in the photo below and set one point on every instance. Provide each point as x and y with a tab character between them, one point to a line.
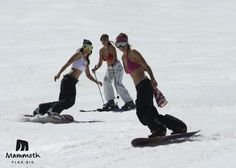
128	106
109	106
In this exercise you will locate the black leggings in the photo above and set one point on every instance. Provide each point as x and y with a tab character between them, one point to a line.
148	114
66	97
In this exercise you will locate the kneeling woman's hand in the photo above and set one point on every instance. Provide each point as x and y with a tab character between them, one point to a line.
56	77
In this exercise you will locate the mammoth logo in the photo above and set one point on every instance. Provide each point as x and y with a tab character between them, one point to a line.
22	145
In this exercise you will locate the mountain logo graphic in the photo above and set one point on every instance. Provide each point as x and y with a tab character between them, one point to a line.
22	145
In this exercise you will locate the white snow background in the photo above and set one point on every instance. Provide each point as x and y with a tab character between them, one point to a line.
190	46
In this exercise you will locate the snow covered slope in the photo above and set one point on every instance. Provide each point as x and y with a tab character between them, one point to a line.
189	44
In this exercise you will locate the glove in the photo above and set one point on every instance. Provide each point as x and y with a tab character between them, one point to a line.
94	69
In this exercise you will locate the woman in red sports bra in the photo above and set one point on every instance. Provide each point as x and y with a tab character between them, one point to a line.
114	73
147	113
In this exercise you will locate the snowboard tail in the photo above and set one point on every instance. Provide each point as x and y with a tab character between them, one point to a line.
181	137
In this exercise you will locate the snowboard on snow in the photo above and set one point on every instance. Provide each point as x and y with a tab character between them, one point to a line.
111	110
163	140
101	110
55	119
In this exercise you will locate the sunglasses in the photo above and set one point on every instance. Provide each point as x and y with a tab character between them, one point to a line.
87	46
121	44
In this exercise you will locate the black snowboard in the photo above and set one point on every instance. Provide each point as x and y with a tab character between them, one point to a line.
111	110
162	140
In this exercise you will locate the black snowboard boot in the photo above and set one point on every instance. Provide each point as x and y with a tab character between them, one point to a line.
156	133
37	112
173	123
157	129
52	113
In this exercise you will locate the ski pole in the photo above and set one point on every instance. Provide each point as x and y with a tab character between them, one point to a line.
99	88
115	81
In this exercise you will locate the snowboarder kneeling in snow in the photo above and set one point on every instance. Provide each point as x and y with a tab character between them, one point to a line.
147	113
80	62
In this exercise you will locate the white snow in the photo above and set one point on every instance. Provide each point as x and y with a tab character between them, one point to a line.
189	44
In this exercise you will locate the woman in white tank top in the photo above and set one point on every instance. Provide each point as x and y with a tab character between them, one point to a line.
80	63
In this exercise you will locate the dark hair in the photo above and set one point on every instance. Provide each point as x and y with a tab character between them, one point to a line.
129	46
86	41
87	58
105	36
